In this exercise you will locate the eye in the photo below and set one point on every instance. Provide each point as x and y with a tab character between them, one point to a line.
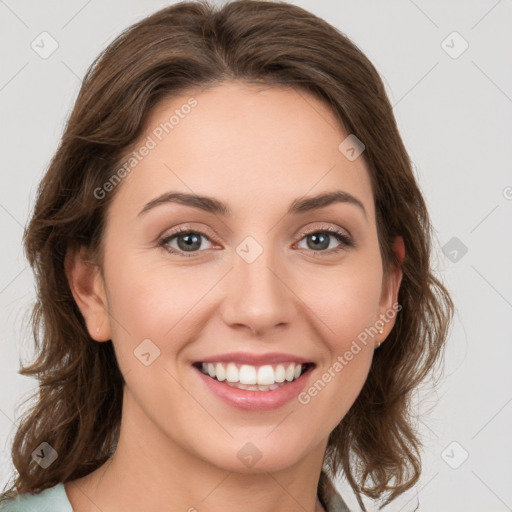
187	242
184	241
325	238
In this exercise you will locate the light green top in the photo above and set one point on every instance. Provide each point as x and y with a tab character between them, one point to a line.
53	499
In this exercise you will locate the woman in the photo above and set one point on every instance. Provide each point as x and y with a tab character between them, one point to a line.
233	267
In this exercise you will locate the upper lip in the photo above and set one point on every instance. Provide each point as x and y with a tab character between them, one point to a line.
254	359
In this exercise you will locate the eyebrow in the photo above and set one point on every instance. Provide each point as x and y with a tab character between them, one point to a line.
212	205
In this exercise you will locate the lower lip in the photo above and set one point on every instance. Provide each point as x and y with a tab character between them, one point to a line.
255	400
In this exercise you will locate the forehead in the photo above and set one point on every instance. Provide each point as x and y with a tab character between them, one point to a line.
247	145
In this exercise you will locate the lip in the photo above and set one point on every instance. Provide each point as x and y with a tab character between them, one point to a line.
254	359
255	400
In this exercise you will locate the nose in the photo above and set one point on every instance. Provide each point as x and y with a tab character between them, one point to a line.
258	295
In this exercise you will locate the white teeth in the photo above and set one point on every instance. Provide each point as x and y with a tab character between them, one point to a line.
220	372
232	374
290	372
270	387
247	374
251	377
280	373
265	375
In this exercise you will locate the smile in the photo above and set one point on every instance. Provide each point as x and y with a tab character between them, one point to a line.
254	387
254	378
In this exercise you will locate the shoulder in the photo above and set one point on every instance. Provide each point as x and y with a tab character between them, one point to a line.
53	499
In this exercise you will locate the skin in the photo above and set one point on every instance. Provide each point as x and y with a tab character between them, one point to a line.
256	149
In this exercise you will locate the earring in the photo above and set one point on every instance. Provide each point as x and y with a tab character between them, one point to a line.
380	331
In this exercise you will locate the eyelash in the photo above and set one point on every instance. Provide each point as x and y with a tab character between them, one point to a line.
345	241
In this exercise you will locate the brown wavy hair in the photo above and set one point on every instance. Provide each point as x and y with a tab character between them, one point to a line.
189	46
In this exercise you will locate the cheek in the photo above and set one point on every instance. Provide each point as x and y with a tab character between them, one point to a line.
348	315
151	299
346	308
346	300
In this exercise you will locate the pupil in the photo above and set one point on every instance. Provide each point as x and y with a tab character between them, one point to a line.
190	241
319	241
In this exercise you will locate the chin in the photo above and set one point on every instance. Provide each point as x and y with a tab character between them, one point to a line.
259	454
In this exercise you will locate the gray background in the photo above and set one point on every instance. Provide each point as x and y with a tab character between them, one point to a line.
454	115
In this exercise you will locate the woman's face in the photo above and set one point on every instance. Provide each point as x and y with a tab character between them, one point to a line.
261	280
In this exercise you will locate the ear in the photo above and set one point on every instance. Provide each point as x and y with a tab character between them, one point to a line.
389	297
87	286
